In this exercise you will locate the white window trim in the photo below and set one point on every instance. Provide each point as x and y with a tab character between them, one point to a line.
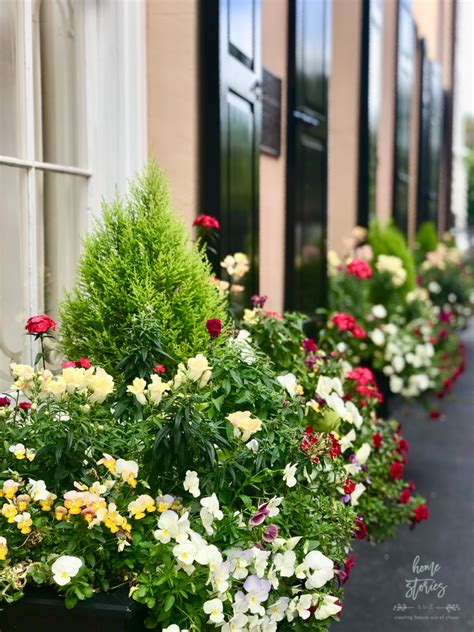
131	17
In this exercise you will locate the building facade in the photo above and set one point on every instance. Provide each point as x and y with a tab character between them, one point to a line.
291	121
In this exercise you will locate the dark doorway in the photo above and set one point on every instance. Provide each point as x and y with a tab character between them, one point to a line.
230	95
306	214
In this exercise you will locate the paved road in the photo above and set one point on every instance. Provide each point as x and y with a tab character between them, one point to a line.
441	462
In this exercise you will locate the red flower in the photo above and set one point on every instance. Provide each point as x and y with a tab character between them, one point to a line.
396	470
309	345
421	513
40	324
361	375
377	440
335	448
214	327
68	364
349	486
411	485
207	221
359	269
358	332
24	405
435	414
159	368
84	363
350	562
343	321
360	530
4	401
405	496
402	445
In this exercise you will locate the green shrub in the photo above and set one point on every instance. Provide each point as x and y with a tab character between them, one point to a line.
426	239
389	240
138	259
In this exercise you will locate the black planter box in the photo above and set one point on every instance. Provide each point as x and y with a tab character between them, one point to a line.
44	611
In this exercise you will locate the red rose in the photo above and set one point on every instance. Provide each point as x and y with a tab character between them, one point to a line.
159	368
396	470
405	496
84	363
4	401
349	486
40	324
359	269
377	440
421	513
435	414
309	345
24	405
214	327
343	321
207	221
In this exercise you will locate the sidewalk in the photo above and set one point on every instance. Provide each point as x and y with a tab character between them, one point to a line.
441	463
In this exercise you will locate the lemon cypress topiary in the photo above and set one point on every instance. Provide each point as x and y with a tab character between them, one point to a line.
138	258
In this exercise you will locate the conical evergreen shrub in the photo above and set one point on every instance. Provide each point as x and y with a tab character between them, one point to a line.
137	259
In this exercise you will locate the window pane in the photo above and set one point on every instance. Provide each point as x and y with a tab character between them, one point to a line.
64	210
11	58
13	270
59	81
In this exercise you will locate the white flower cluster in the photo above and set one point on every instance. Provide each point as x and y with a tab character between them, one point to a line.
243	584
331	390
394	267
152	392
236	265
409	360
95	383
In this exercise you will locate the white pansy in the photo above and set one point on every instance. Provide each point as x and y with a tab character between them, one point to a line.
185	552
347	440
252	445
328	607
37	490
174	628
273	506
191	483
327	385
352	415
337	404
171	526
278	609
303	606
285	563
289	475
379	311
214	609
242	342
289	382
357	493
317	568
65	568
211	503
363	453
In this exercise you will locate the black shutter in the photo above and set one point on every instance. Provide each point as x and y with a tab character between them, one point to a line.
370	100
308	68
231	120
405	80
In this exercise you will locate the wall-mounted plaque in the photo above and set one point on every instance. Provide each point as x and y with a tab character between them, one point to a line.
271	114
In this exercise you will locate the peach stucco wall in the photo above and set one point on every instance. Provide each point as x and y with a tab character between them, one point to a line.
172	74
272	170
344	98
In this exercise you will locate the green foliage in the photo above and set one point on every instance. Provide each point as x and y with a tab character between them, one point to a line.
426	240
138	257
389	240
